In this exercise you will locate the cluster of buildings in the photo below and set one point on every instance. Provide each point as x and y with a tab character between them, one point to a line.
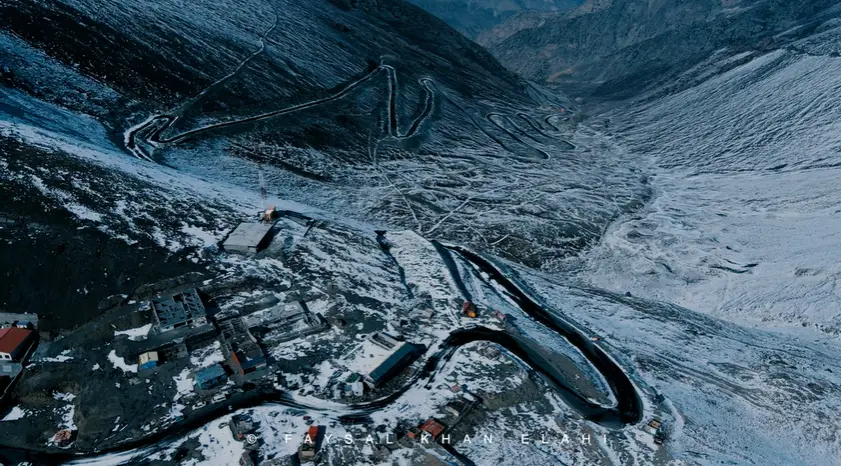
180	325
457	408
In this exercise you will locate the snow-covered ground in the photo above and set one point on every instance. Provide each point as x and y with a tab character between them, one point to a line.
744	224
138	333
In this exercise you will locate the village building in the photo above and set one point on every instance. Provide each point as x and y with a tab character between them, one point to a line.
385	340
240	347
288	322
14	343
402	356
148	360
432	427
248	238
179	310
210	377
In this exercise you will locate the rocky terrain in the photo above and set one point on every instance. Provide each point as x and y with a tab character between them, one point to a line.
618	48
472	17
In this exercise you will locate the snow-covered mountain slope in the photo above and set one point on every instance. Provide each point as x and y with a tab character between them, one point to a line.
376	110
135	135
719	387
472	18
745	223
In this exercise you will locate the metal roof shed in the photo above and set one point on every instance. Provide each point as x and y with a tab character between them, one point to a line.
210	377
14	342
401	357
248	238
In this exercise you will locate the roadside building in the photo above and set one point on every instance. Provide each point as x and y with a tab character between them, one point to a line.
248	361
148	360
457	407
210	377
288	322
241	425
309	446
63	437
14	343
179	310
248	238
432	427
399	359
240	348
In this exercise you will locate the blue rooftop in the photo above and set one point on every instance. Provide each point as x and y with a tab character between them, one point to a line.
210	373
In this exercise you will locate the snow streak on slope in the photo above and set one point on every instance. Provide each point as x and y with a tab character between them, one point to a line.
780	111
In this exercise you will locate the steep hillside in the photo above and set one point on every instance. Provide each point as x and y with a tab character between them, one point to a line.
472	17
616	49
744	220
375	110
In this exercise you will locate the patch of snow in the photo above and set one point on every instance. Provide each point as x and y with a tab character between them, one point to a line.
16	413
135	334
120	363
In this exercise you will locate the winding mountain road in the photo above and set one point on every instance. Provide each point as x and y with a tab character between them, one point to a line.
154	129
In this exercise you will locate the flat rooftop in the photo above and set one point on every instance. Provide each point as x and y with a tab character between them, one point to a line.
179	308
247	235
11	338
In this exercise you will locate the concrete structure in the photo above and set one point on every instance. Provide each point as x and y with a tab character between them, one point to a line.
148	360
432	427
385	340
240	347
456	407
11	319
398	360
10	369
14	343
292	320
210	377
241	425
248	238
179	310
